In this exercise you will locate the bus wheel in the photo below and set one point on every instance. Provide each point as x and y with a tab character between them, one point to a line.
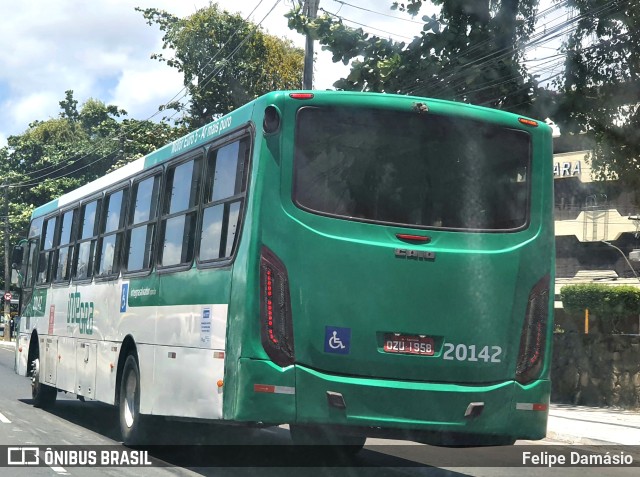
131	422
333	441
43	396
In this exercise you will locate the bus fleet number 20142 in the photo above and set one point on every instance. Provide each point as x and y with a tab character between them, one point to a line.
463	352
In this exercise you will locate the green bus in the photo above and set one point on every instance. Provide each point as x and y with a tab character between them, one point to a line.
349	264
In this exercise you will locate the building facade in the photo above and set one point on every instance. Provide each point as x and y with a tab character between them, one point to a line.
596	224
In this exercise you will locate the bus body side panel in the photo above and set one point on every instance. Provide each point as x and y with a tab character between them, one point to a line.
22	352
176	319
32	318
243	334
67	367
190	311
106	371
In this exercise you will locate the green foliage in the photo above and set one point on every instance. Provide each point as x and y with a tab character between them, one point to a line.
472	51
226	61
465	53
606	302
54	156
601	83
412	6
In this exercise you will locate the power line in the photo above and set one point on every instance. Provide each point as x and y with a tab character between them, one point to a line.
378	13
495	57
492	57
215	72
536	40
365	25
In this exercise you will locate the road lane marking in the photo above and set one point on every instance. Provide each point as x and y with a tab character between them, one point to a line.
4	419
60	470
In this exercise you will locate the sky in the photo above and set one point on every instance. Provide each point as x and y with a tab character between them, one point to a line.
101	49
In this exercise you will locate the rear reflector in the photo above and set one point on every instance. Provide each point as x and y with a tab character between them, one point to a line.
529	406
271	389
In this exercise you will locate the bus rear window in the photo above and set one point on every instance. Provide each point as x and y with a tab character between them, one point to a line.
419	170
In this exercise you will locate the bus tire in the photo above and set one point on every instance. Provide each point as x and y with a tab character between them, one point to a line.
43	396
332	441
131	421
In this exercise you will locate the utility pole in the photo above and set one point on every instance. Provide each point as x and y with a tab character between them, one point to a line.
310	9
7	268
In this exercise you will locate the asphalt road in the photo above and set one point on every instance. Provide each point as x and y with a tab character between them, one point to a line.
193	450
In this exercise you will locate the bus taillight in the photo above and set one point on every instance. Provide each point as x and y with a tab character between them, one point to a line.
534	333
276	328
301	95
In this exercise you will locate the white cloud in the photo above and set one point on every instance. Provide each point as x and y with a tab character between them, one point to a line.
97	49
102	49
142	89
29	107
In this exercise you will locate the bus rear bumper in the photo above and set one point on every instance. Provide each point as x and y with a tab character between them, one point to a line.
502	409
429	412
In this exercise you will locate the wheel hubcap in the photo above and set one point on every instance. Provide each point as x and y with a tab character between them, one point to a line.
35	376
130	399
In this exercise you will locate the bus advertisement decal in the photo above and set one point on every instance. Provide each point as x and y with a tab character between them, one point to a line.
81	313
337	340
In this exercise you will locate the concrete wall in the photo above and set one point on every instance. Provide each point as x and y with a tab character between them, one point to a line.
596	370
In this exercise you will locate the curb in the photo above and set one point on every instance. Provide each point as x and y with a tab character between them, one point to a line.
579	440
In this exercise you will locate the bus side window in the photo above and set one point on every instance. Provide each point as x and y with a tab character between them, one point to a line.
179	213
32	255
143	211
85	248
111	233
225	187
46	252
64	253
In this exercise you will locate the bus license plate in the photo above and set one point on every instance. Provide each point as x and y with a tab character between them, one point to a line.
409	344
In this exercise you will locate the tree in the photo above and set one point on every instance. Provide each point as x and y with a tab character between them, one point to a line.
226	61
470	51
56	155
601	83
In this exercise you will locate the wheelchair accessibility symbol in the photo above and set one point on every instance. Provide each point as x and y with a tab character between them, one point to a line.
337	340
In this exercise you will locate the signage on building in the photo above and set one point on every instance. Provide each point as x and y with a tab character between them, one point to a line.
567	169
